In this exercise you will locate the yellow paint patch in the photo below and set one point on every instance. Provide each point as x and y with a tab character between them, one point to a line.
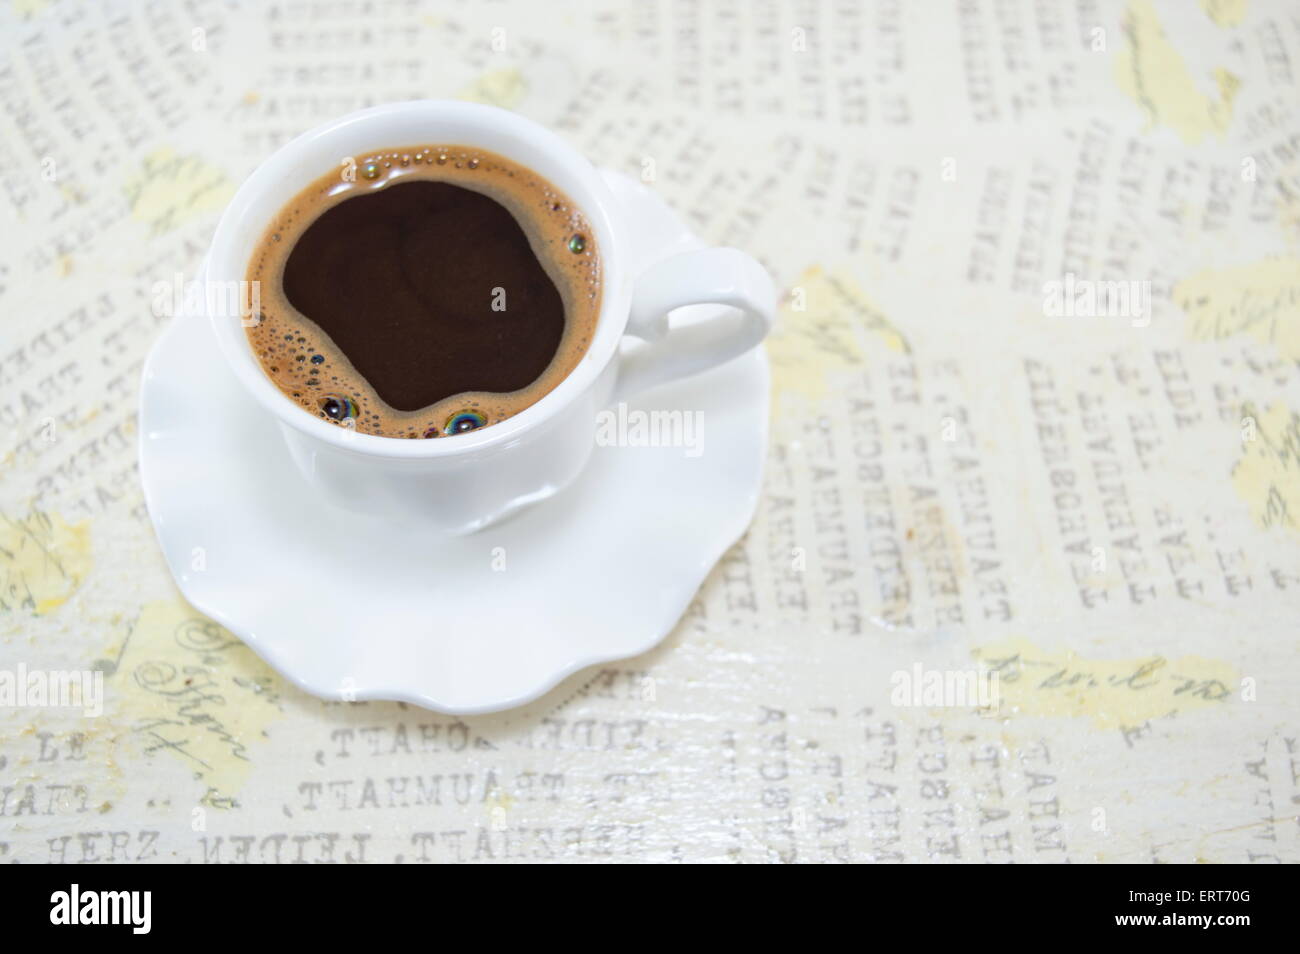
43	560
72	194
173	189
1228	85
1268	475
498	805
1260	299
188	688
1225	13
824	321
1151	71
1110	692
505	88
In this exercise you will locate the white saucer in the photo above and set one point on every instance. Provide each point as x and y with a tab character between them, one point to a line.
602	571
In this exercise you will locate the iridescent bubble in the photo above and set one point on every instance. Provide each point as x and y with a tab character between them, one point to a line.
577	244
338	407
370	170
465	421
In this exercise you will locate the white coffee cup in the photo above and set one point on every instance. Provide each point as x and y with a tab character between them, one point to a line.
462	483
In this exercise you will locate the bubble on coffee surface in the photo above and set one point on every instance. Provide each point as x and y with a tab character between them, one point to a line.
308	367
464	422
339	407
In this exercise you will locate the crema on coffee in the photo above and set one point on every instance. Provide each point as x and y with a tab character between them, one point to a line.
424	291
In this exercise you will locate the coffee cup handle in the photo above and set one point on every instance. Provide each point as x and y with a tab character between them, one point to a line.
722	276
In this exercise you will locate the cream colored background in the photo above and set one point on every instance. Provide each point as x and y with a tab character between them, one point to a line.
912	173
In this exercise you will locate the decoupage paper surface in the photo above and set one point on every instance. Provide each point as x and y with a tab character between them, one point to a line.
1024	581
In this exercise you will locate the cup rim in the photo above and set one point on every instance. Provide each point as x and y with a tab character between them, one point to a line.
250	202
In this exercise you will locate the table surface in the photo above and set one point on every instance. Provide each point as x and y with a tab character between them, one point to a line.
1035	430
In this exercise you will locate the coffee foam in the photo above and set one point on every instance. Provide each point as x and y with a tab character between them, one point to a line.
306	365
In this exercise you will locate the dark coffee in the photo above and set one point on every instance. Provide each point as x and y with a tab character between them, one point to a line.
437	290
